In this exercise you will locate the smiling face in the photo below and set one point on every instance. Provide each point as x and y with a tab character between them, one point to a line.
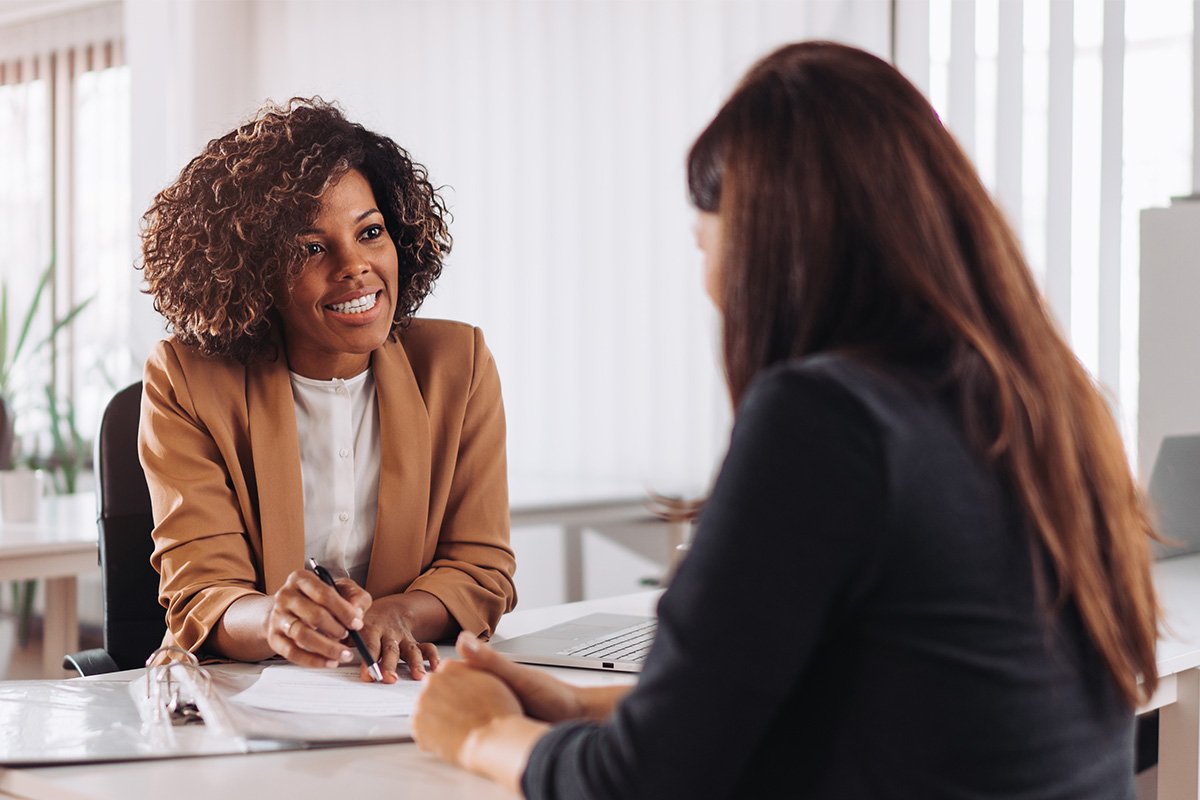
342	304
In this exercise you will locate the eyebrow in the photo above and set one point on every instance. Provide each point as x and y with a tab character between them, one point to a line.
358	219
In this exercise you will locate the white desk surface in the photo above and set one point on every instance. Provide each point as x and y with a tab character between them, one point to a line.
1178	583
53	545
401	771
398	771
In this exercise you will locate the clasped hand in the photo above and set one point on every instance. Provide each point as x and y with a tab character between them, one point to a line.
465	698
309	625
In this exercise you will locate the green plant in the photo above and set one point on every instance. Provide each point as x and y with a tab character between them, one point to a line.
68	448
14	350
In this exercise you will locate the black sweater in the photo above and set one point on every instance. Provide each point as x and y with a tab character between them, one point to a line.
857	618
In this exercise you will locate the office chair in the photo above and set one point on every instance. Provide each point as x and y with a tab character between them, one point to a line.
134	622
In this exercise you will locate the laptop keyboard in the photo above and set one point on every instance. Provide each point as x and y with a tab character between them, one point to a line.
627	644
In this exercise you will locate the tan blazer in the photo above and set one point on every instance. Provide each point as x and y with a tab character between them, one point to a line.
219	446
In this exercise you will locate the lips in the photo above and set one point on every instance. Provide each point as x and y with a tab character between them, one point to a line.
356	305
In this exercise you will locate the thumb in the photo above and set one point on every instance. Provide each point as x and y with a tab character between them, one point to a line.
476	653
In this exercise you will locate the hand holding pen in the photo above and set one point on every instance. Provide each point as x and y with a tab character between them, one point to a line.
368	660
312	616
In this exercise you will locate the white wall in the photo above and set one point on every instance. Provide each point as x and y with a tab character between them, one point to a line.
1169	339
560	131
189	68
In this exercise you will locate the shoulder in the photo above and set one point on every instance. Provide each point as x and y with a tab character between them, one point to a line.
828	384
184	369
438	349
834	389
423	335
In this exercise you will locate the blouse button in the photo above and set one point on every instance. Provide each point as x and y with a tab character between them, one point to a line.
344	452
343	516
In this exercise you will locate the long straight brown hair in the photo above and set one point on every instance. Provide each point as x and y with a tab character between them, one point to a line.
851	220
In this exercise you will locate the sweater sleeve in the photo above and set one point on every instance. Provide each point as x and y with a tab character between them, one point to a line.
783	550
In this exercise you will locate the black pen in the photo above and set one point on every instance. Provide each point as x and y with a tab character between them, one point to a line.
371	664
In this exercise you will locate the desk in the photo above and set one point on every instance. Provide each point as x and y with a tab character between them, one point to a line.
574	506
400	771
396	771
60	546
1178	697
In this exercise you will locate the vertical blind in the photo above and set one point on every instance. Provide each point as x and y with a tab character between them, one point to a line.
1077	115
64	187
559	129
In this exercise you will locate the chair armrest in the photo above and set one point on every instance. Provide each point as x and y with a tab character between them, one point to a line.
96	661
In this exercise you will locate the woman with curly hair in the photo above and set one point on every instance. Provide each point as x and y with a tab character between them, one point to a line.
298	409
925	524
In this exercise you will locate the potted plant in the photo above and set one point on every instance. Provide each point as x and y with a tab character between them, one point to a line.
17	345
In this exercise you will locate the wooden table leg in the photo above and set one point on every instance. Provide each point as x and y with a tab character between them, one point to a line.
1179	741
60	631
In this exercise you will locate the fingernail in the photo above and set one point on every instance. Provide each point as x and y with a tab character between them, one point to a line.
356	624
468	642
331	664
346	656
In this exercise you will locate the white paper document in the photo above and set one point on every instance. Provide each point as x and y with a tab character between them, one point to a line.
330	691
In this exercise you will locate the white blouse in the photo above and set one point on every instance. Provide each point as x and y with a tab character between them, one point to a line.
338	425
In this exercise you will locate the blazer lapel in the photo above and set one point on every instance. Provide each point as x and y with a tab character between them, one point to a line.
276	453
404	473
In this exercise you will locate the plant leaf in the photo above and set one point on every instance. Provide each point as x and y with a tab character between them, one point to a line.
67	319
4	364
31	313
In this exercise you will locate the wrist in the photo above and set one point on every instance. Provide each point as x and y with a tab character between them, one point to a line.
500	748
419	612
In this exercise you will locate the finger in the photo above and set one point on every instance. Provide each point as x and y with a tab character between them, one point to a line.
303	595
332	650
356	596
366	677
430	651
311	614
328	597
389	660
525	681
479	654
285	639
412	655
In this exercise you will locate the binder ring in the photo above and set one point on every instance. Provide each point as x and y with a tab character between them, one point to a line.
169	670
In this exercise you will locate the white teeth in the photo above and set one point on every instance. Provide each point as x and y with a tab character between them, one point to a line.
364	303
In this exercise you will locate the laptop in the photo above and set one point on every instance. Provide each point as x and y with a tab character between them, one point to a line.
616	642
1175	495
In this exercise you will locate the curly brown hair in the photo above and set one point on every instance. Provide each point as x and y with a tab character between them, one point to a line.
220	245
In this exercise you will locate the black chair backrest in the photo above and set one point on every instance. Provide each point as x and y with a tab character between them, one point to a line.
134	622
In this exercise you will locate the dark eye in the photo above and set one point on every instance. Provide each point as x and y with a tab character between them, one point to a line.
373	232
312	248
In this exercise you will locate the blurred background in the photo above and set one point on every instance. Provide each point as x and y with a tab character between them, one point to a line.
558	130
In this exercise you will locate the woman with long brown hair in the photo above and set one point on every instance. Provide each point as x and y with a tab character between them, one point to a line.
925	517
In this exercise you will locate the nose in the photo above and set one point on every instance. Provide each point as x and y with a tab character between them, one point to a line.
351	264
